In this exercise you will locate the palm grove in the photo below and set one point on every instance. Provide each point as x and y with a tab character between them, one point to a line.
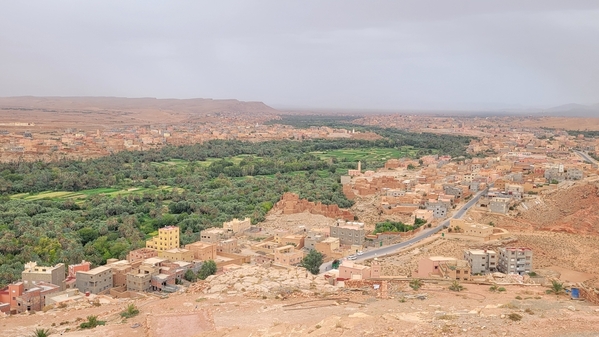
193	187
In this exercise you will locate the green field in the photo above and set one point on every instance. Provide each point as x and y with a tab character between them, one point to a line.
64	195
374	154
204	163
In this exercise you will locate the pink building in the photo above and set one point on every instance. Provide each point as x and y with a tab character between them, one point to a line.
350	270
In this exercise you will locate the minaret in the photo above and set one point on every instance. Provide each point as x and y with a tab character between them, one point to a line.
359	166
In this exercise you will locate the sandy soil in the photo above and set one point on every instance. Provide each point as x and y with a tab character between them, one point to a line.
473	312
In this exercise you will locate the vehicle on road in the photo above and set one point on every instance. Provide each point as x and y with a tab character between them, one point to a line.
359	253
352	257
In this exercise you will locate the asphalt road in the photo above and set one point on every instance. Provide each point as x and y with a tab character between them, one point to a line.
586	157
427	233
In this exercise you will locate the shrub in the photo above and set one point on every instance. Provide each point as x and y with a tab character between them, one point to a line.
92	322
556	287
514	317
130	311
501	289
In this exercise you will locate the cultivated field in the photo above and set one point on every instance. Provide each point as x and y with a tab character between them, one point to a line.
373	154
66	195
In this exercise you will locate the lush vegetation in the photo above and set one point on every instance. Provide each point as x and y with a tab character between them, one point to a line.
396	226
67	211
585	133
424	143
312	261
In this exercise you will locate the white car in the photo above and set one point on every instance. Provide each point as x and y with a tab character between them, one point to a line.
352	257
360	253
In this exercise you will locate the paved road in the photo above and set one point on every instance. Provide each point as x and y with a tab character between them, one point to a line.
587	157
427	233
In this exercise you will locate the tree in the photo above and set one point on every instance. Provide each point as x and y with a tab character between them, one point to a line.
208	268
190	276
41	333
312	261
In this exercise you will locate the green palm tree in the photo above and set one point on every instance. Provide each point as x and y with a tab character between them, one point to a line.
456	286
130	311
41	333
556	287
416	284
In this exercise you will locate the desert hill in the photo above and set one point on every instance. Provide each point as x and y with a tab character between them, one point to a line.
573	110
104	112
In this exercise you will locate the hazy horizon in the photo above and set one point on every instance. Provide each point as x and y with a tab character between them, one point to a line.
334	55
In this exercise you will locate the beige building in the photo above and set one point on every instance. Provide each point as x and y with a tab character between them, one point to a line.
95	281
295	240
330	247
350	233
215	235
288	256
141	254
515	260
34	274
228	246
237	226
202	251
177	254
119	269
168	238
482	261
351	270
444	267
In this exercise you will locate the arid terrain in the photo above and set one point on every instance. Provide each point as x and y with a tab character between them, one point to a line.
473	312
91	113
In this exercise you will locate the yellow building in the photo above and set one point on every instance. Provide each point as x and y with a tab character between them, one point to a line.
168	238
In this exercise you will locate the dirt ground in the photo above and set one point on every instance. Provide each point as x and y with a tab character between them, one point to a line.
473	312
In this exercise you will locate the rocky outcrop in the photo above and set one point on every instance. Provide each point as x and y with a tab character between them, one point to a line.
291	203
261	281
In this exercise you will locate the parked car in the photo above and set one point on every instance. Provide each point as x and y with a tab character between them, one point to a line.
360	253
352	257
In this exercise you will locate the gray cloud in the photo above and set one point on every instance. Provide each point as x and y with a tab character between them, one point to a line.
348	54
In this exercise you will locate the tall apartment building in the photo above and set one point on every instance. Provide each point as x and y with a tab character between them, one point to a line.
481	261
348	233
515	260
168	238
34	274
95	281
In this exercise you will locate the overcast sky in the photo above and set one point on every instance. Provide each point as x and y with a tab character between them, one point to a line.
317	54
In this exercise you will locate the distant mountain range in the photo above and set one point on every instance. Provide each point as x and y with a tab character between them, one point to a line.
573	110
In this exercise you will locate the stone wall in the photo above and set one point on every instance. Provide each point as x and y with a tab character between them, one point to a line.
290	203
